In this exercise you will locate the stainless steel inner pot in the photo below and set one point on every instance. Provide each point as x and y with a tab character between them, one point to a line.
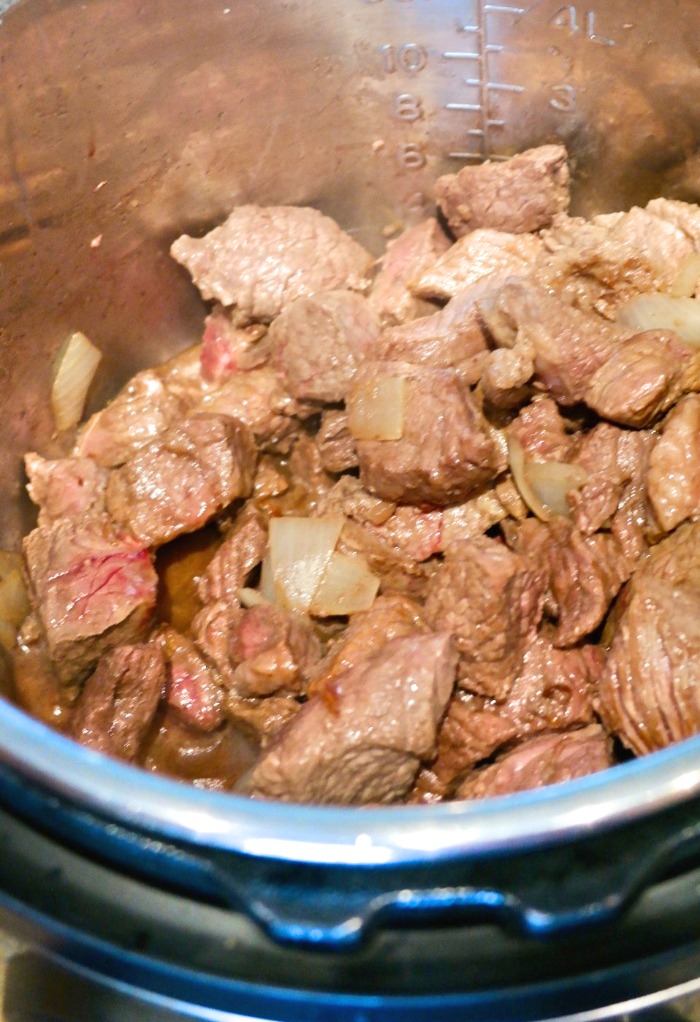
125	122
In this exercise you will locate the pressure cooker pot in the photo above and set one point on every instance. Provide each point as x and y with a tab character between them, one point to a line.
124	125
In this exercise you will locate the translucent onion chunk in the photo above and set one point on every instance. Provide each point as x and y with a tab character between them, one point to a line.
663	312
375	408
74	371
543	485
348	586
300	550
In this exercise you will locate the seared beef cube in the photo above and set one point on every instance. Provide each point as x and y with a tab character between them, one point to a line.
601	263
66	487
553	691
482	254
390	617
642	378
177	483
242	550
674	469
491	600
519	195
257	652
617	462
555	688
227	349
119	700
471	731
258	400
319	342
92	588
336	445
566	345
261	258
444	454
579	356
540	761
649	695
140	413
273	652
583	573
194	690
405	258
445	338
505	377
365	747
541	431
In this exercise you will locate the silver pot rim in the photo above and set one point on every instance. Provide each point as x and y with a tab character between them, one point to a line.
393	835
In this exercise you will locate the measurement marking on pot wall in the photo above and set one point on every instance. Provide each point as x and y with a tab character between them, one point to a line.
481	80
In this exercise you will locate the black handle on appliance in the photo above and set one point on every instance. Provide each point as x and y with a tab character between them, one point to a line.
541	892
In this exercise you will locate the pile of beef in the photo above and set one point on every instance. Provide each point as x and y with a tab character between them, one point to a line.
504	650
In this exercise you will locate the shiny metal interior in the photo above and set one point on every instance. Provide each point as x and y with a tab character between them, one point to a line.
125	122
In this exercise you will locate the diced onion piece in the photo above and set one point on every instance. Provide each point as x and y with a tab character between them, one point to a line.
376	408
76	366
299	552
544	485
550	481
250	597
347	587
688	277
663	312
14	604
266	587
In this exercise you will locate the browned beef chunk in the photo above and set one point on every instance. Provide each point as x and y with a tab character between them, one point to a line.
179	481
273	652
617	462
483	253
471	730
506	375
318	343
258	400
444	454
491	600
406	257
556	687
261	719
554	691
227	349
641	379
66	487
242	549
390	617
683	215
261	258
579	356
649	694
257	652
584	573
540	761
139	413
521	194
601	263
542	432
443	339
119	700
674	468
194	690
566	345
366	747
336	445
91	587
